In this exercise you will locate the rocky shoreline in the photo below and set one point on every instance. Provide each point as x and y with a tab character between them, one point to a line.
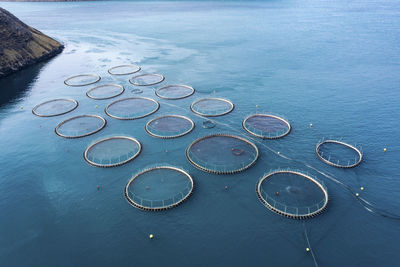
22	45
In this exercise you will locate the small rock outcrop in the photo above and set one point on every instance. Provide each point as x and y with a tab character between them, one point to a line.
21	45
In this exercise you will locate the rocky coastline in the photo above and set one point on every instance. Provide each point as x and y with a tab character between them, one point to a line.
22	45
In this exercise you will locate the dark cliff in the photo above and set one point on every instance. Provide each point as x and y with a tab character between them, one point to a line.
21	45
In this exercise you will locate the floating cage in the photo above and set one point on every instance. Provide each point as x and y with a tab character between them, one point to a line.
159	188
137	91
146	79
173	92
209	124
105	91
266	126
80	126
55	107
292	194
132	108
82	80
169	126
124	70
222	154
338	154
212	107
112	151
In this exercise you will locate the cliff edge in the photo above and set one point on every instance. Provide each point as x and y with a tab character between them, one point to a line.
21	45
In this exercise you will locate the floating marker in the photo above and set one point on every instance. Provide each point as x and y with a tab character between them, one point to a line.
362	188
226	187
307	249
279	152
357	194
22	107
310	125
97	106
151	236
384	150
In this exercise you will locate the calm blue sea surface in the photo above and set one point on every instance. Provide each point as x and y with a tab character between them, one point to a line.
335	64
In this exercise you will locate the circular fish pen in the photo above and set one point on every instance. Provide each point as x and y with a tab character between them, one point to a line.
112	151
169	126
82	80
55	107
266	126
146	79
173	92
292	194
80	126
105	91
338	154
222	154
159	188
132	108
124	70
212	107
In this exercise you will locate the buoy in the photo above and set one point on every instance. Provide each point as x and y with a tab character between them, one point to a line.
214	91
256	106
384	150
361	188
166	150
357	194
226	187
307	249
97	106
147	188
310	125
279	152
98	188
277	193
151	236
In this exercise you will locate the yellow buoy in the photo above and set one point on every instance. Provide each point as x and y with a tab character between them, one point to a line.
151	236
22	107
357	194
279	152
361	188
307	249
310	125
384	150
97	106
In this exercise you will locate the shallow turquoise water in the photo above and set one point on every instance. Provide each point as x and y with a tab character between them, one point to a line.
332	64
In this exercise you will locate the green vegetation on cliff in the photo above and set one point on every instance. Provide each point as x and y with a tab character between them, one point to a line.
21	45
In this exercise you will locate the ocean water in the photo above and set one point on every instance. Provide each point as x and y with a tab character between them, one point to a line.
332	64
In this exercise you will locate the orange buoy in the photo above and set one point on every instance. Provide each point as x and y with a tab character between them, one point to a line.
277	193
